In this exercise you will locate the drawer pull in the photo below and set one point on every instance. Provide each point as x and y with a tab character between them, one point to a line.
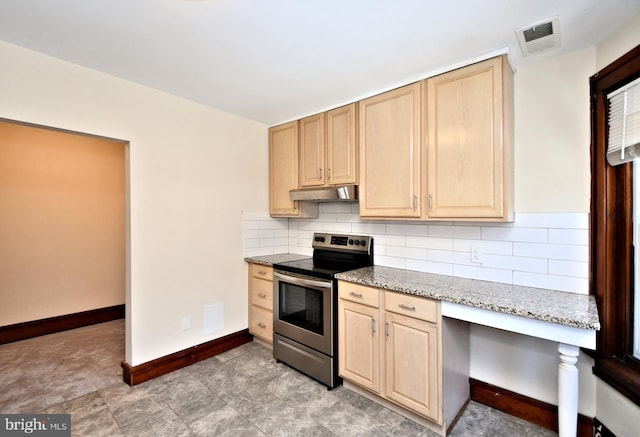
407	307
354	294
262	325
262	295
262	272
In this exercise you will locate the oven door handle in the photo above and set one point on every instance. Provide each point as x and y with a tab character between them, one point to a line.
302	281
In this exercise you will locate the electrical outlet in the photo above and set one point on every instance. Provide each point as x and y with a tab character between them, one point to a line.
476	254
186	323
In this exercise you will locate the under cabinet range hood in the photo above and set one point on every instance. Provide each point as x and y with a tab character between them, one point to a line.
341	193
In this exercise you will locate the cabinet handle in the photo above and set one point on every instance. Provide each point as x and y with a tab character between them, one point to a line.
262	325
319	173
262	295
415	202
373	326
262	272
386	329
354	294
329	173
407	307
430	202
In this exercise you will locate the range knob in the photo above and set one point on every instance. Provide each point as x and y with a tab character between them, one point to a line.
357	242
351	241
318	239
363	243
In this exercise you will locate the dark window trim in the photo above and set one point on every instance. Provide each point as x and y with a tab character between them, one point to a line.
611	260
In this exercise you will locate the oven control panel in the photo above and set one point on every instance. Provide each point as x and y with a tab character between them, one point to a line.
343	242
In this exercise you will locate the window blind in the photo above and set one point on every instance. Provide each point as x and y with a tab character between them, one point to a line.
624	124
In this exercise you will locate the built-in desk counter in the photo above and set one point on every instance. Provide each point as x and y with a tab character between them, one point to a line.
570	319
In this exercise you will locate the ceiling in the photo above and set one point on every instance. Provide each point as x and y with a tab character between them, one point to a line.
277	60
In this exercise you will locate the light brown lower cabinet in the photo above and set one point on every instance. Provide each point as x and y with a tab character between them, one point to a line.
261	301
400	349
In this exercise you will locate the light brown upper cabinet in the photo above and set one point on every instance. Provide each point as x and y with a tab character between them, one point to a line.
391	155
469	119
328	148
283	173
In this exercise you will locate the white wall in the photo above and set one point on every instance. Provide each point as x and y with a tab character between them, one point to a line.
192	171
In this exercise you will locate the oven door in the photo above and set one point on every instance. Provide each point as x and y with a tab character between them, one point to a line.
303	310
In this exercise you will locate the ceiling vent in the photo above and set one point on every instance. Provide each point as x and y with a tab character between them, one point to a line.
539	37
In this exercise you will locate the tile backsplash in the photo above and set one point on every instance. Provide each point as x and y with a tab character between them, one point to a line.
544	250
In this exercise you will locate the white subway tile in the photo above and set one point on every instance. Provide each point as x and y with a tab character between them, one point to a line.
379	249
407	252
519	253
430	242
469	232
389	261
341	207
569	268
258	233
551	251
280	233
274	224
368	228
552	220
309	225
516	263
328	217
389	240
527	235
419	229
251	242
430	267
272	242
569	236
259	251
449	257
486	246
281	249
482	273
552	282
347	218
251	224
341	228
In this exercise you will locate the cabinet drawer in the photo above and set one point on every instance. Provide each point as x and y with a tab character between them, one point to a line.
412	306
261	323
262	293
262	272
359	293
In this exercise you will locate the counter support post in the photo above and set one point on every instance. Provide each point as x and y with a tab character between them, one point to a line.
568	390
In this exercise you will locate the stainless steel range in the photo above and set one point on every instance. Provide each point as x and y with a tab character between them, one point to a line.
305	304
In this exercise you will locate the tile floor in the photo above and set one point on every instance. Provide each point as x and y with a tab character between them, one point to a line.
242	392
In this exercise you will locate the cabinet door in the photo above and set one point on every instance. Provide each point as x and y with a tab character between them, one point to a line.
412	364
283	168
468	118
261	323
312	146
358	344
342	156
390	154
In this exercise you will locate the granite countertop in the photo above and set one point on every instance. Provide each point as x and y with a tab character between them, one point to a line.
270	260
570	309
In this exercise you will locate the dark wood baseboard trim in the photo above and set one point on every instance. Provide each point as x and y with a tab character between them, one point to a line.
36	328
133	375
524	407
